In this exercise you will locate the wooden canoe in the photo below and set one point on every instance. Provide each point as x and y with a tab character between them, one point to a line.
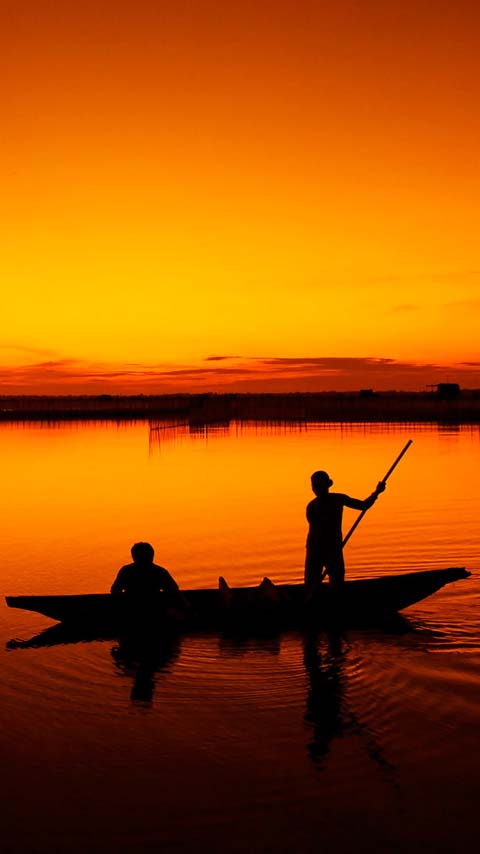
250	606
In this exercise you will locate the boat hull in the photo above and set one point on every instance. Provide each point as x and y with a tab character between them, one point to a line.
248	607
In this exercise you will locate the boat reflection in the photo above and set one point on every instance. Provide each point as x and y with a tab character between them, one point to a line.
60	634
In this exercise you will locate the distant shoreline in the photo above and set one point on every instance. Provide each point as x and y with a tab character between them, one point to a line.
362	406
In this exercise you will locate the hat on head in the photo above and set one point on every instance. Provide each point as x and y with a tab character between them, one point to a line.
321	478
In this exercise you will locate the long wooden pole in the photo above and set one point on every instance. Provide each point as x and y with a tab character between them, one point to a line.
384	479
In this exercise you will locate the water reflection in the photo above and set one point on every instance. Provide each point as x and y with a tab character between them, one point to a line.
140	655
324	711
58	635
170	430
143	658
238	645
328	713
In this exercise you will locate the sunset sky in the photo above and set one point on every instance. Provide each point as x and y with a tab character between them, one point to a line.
237	195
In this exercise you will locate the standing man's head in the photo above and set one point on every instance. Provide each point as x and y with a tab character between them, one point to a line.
321	482
142	553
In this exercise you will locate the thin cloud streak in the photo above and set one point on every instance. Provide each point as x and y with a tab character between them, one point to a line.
220	358
234	374
400	309
22	348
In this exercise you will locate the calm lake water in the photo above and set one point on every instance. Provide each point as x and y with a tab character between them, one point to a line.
358	742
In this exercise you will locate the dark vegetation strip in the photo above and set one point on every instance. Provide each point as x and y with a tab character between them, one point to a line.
217	408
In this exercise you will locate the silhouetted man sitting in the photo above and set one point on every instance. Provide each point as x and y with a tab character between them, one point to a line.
324	539
143	578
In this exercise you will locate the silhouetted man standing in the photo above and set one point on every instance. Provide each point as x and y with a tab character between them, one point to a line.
324	539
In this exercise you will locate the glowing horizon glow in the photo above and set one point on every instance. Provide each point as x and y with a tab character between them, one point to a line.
296	181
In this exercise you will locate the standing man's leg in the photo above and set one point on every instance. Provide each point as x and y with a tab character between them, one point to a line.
314	564
336	570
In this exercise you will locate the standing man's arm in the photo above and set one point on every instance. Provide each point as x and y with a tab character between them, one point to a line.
358	504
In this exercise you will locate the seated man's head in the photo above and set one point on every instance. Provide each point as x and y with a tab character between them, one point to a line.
142	553
321	482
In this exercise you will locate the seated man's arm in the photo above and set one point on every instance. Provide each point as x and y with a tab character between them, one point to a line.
170	586
118	584
168	582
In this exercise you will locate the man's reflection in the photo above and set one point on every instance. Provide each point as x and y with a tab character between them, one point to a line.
143	657
324	696
326	707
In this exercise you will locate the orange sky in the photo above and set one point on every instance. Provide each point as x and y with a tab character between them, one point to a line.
292	184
